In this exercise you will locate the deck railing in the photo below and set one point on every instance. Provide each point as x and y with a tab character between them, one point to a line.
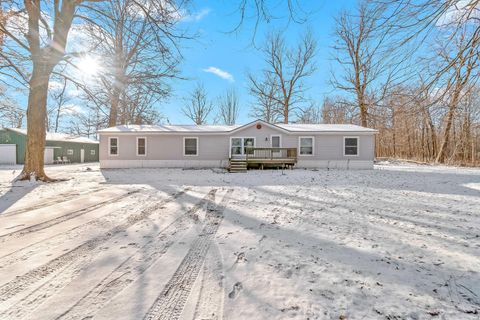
270	153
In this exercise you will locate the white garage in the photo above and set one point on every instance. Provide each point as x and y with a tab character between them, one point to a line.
8	154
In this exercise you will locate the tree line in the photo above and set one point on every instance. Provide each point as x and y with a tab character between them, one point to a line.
408	69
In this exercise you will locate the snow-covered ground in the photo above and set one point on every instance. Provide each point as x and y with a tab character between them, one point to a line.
397	242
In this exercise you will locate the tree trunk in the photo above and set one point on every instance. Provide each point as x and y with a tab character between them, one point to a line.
57	119
363	112
113	116
118	88
442	152
36	129
285	114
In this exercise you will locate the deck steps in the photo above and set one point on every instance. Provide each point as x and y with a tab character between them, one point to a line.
238	165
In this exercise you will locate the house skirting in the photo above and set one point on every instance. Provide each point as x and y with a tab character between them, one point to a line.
335	164
312	164
163	164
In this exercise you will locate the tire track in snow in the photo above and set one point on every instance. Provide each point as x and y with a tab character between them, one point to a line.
105	221
62	198
210	300
171	301
116	281
82	251
63	218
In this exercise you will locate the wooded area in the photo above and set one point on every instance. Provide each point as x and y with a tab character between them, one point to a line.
407	68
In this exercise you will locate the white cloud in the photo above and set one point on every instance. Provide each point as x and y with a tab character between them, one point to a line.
197	16
220	73
460	12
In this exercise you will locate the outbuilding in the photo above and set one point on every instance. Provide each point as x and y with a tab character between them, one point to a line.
58	146
256	144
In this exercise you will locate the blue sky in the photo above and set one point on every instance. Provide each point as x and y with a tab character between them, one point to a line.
234	53
221	59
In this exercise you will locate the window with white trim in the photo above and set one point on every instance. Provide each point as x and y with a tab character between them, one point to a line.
141	146
69	152
190	146
92	152
113	146
306	146
350	146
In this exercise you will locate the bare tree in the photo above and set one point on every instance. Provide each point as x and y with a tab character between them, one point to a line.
58	101
265	107
11	115
311	114
198	107
281	80
262	11
85	124
138	43
337	110
228	107
445	21
464	62
362	51
33	61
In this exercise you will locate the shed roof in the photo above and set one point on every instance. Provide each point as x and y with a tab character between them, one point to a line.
60	137
226	129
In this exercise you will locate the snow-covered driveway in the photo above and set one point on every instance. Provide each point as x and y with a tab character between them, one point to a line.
397	242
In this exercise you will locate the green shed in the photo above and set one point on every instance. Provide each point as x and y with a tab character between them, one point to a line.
58	145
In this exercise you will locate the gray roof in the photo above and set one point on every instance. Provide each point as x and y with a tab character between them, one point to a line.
226	129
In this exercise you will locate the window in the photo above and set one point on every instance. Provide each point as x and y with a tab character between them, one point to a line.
190	146
236	146
241	146
350	146
248	143
70	152
141	146
113	146
306	146
92	152
276	142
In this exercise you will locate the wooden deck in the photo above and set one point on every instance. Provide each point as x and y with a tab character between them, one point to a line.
269	157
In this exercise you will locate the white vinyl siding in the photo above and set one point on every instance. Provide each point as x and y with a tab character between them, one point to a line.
306	146
113	146
350	146
190	146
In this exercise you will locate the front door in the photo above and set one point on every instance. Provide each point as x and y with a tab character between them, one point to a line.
82	155
239	146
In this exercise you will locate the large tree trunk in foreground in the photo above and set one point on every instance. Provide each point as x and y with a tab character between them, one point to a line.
43	61
36	126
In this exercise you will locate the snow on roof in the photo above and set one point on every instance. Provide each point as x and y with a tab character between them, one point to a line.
297	127
226	129
62	137
170	128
